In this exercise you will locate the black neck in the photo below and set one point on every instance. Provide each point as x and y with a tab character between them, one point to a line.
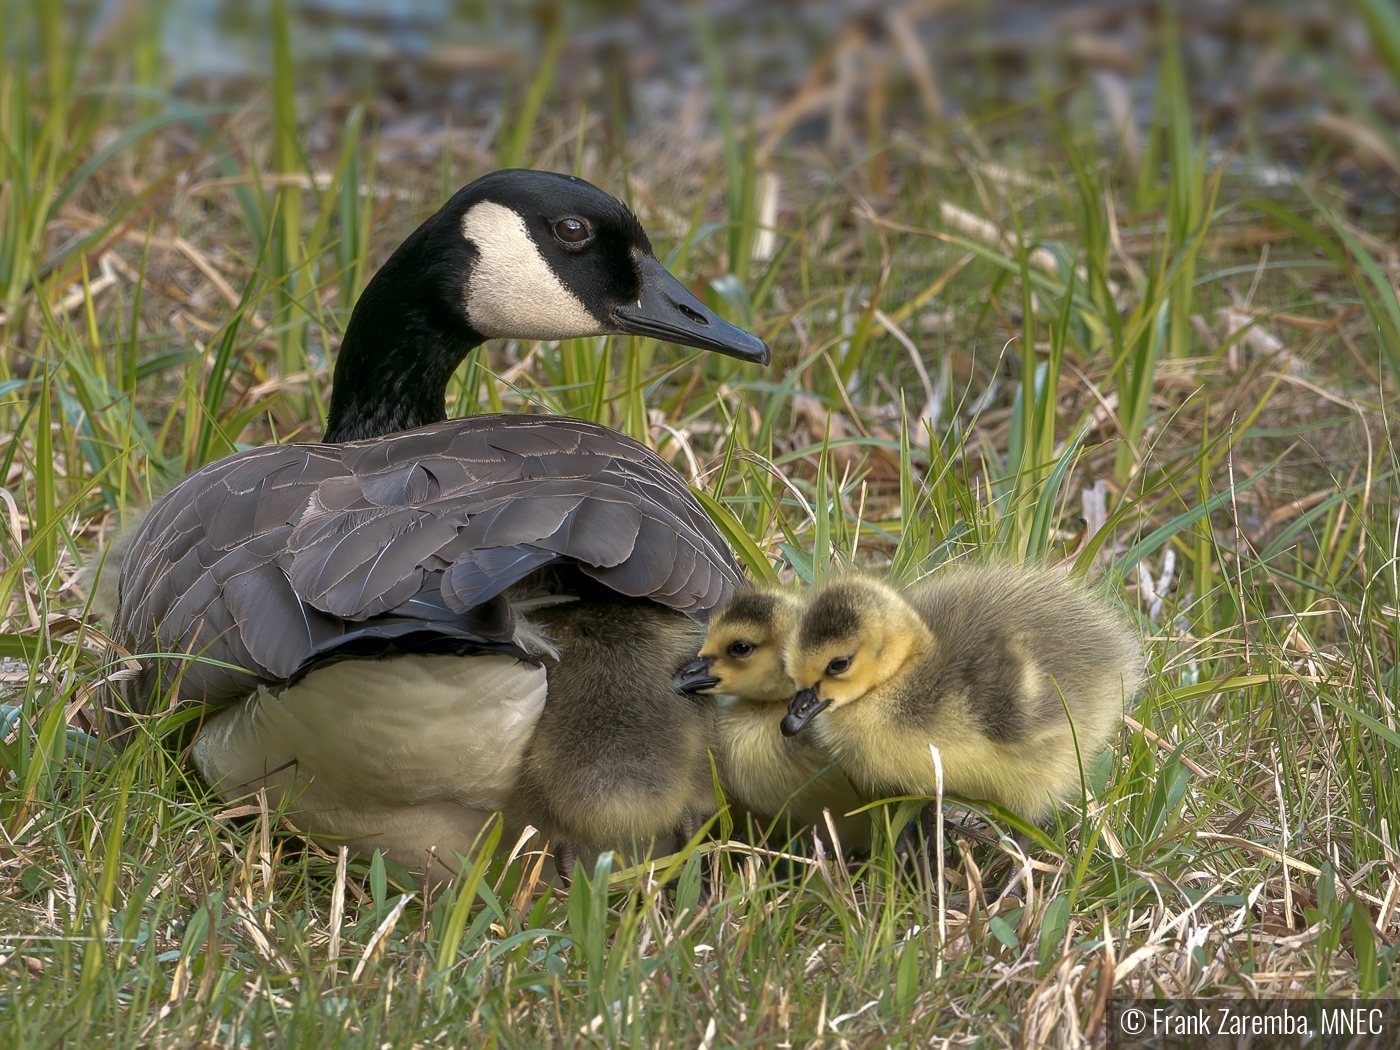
407	335
392	377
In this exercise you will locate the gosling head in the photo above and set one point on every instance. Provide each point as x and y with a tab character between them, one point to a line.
855	635
743	651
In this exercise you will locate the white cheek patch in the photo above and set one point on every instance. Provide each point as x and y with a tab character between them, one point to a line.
512	293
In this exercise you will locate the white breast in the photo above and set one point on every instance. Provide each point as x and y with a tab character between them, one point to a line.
402	755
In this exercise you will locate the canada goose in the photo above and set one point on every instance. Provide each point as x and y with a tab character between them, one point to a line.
355	594
763	770
620	756
975	661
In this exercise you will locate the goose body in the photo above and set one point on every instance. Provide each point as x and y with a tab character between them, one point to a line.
792	779
425	772
982	663
346	609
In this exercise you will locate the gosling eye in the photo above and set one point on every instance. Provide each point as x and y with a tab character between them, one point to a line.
573	232
840	665
741	650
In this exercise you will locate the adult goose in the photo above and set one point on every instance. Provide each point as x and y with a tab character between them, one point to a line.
352	611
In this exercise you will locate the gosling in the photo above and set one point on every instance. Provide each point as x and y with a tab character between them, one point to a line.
983	663
774	777
619	759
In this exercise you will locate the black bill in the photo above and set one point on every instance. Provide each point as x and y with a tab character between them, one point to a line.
695	676
802	708
668	311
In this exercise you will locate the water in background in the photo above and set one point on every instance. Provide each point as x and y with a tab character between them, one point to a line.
1264	77
1272	60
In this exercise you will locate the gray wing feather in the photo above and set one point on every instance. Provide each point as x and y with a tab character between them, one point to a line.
270	558
278	628
650	563
602	531
483	573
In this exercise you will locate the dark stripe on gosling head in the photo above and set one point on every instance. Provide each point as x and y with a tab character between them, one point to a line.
750	606
834	615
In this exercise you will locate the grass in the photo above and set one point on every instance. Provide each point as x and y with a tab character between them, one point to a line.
1202	426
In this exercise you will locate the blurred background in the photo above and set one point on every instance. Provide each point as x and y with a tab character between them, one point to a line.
1299	80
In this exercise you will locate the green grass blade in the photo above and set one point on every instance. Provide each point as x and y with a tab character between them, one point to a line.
44	542
737	536
513	156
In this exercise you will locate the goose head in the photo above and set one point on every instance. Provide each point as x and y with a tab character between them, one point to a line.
743	651
515	254
855	636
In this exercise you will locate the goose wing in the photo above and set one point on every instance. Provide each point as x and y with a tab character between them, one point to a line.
271	558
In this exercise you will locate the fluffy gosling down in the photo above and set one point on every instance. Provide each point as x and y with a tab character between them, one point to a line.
974	661
619	759
765	772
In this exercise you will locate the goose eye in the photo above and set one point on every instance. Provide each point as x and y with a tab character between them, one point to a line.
572	230
840	665
740	650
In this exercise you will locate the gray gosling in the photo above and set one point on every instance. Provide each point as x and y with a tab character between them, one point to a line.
619	759
767	773
975	661
98	579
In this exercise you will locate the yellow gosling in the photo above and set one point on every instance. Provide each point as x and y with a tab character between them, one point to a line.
980	662
768	774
